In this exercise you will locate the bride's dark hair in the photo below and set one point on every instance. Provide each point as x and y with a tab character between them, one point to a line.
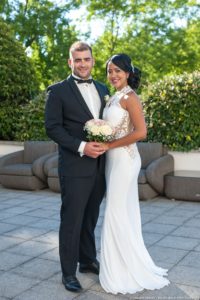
123	61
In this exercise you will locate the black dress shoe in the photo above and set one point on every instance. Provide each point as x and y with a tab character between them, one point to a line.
71	283
89	268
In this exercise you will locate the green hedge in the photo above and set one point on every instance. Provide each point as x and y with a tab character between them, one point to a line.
18	80
23	122
172	109
9	117
30	125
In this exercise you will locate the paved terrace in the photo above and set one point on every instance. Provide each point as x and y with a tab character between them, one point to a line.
29	261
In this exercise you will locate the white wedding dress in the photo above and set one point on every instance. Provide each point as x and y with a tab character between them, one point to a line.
125	264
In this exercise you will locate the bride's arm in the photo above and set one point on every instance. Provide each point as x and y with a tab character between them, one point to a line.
133	105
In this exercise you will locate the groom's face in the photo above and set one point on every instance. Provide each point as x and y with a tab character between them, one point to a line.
81	63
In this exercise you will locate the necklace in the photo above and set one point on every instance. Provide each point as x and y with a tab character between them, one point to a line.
119	94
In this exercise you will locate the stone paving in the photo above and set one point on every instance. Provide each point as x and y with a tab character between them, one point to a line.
29	261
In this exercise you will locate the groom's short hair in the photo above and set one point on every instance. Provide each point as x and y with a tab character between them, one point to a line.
79	46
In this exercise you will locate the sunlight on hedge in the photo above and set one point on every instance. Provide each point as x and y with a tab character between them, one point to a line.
172	109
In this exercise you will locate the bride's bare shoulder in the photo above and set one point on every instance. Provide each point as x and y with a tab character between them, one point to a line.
132	98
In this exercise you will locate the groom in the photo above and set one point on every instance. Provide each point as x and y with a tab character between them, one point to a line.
70	104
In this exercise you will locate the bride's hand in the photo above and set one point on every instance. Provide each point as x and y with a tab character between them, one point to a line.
105	146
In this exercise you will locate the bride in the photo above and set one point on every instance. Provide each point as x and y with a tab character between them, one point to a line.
125	264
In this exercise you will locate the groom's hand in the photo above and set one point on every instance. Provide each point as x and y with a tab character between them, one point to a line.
93	149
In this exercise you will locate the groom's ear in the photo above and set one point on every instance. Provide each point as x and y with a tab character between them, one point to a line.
69	62
93	62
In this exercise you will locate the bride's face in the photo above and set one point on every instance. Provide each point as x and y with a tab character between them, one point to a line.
116	76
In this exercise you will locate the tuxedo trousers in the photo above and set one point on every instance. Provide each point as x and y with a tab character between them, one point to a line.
81	198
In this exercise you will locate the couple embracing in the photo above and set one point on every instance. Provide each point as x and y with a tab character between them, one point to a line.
88	170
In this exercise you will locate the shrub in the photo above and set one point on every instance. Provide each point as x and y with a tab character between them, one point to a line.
172	111
30	125
23	122
17	75
9	117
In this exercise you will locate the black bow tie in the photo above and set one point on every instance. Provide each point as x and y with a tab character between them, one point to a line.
82	80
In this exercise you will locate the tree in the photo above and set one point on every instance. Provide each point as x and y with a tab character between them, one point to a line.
44	29
149	32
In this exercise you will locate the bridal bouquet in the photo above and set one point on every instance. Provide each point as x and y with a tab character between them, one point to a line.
99	130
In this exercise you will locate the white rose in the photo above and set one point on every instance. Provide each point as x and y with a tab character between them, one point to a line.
106	130
89	124
95	130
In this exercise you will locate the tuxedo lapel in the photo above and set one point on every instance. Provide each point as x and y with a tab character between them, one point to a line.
78	96
101	95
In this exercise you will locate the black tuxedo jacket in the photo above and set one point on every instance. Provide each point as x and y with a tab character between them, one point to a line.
65	116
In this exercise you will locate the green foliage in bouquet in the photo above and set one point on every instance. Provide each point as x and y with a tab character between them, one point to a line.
17	75
98	138
172	109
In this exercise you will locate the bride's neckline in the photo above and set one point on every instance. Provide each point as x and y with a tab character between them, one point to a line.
119	94
125	90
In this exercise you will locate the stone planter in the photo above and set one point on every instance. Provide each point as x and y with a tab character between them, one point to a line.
7	147
186	160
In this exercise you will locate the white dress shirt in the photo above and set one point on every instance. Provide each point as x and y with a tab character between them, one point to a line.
92	99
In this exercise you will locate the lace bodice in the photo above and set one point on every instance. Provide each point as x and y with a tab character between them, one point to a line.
118	117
